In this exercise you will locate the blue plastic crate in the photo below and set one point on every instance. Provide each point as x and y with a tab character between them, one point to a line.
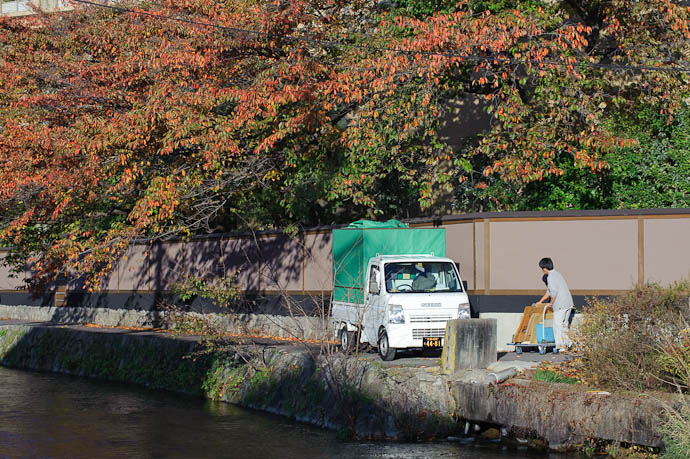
547	337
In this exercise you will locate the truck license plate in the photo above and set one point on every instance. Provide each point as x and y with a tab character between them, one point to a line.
432	342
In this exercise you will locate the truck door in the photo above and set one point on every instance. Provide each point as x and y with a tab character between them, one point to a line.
374	307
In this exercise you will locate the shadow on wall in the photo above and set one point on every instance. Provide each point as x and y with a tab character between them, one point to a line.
144	278
259	264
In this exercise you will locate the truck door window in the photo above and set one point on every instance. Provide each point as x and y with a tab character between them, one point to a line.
374	276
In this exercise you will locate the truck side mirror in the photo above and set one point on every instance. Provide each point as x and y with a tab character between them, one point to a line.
374	286
464	285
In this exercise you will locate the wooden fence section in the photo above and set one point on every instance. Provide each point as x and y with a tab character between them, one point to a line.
599	253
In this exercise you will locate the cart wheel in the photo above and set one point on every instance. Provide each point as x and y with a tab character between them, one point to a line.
542	350
555	350
518	349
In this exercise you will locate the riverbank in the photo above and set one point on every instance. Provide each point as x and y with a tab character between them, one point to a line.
358	397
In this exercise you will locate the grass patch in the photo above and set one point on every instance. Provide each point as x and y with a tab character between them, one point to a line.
546	375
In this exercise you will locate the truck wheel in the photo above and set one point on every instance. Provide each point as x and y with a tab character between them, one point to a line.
346	338
386	352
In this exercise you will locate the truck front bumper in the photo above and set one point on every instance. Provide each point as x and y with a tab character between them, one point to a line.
410	336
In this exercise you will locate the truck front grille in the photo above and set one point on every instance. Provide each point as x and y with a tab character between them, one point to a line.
419	333
422	318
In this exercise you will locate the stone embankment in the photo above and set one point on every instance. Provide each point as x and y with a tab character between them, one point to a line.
355	395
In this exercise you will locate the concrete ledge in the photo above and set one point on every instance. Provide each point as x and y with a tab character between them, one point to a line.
301	327
469	343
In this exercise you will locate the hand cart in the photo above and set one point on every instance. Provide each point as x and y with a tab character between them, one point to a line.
543	344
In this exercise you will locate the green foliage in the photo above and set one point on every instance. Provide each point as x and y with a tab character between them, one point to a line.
222	291
344	434
675	432
674	359
424	8
577	188
656	171
546	375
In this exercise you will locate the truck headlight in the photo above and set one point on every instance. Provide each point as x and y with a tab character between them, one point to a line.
464	311
395	314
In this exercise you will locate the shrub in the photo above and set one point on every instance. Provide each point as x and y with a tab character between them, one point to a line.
637	341
676	432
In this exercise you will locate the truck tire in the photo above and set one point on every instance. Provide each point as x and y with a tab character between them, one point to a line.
346	341
386	352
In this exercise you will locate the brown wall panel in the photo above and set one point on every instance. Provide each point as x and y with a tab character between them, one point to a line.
171	262
203	258
240	257
460	248
133	272
596	253
479	255
318	263
8	279
109	282
591	254
281	263
666	250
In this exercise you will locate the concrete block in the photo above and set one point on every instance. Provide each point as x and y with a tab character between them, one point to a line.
469	343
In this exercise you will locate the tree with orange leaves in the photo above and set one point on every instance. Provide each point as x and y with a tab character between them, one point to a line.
151	120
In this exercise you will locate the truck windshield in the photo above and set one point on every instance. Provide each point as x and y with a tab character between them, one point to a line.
416	277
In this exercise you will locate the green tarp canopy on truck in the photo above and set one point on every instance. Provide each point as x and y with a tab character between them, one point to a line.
372	224
354	246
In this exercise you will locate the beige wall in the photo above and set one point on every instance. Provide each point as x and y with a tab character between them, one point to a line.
479	251
318	264
460	249
591	254
667	249
7	282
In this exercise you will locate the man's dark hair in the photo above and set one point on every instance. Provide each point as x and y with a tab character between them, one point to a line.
545	279
546	263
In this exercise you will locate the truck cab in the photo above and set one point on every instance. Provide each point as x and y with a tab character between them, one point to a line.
406	302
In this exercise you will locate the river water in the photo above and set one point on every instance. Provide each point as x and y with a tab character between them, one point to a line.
47	415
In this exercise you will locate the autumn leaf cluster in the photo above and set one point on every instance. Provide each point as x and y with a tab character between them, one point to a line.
157	119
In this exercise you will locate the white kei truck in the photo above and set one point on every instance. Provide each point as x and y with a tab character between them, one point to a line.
393	288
